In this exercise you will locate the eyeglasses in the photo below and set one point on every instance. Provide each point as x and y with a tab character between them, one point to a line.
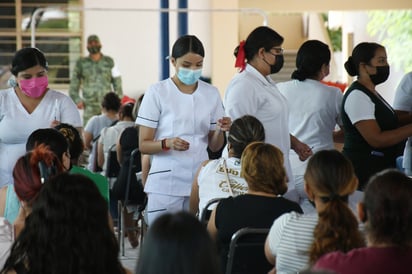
278	50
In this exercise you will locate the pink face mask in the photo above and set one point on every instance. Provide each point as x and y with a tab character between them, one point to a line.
34	87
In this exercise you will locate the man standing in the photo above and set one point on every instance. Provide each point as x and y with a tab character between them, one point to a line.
98	75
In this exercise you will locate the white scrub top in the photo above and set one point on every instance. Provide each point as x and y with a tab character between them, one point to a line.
250	93
16	124
314	112
403	102
176	114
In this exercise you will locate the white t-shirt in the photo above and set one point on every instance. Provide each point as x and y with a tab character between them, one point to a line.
250	93
403	101
16	124
359	107
94	126
6	240
403	94
176	114
109	137
213	183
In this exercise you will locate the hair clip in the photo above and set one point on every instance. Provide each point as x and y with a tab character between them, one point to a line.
68	133
45	171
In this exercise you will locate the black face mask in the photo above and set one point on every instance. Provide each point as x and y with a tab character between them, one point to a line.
382	74
278	65
94	50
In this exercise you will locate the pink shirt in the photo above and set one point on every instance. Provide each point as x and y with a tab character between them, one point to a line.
374	260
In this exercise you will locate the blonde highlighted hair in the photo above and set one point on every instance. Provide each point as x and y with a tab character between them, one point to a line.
262	168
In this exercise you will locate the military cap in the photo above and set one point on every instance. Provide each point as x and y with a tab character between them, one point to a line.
93	37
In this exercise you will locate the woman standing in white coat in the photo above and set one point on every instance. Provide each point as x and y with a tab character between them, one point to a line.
314	108
253	92
29	105
179	118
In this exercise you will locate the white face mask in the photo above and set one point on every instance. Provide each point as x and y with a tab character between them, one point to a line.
189	76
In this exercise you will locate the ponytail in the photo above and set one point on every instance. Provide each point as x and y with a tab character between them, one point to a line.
337	229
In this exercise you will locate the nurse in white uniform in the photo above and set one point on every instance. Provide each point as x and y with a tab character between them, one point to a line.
179	118
29	105
314	108
253	92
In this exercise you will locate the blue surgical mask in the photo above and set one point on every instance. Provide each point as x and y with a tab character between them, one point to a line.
189	76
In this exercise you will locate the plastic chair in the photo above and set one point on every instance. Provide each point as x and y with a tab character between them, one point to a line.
246	252
111	173
206	211
134	167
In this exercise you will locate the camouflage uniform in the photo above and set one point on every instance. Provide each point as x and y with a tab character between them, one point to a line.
96	80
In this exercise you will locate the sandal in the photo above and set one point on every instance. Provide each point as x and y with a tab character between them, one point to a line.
132	236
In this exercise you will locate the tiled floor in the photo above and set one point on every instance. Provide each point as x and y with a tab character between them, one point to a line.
130	257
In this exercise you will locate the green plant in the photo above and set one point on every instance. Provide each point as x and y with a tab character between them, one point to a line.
393	29
335	34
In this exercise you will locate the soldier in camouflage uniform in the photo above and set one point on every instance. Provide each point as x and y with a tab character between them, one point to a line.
97	75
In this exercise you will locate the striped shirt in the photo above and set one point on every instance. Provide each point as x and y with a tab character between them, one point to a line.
290	238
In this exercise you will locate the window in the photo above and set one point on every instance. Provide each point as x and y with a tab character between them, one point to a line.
57	33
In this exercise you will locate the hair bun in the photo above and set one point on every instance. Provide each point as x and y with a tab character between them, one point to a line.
350	67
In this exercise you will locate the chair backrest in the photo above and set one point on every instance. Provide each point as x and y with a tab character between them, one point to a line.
246	252
113	167
207	210
134	167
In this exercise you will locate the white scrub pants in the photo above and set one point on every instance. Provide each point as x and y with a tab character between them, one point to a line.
159	204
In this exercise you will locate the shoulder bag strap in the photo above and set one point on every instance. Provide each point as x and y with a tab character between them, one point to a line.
227	177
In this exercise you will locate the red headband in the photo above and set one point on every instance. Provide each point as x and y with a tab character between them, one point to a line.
240	58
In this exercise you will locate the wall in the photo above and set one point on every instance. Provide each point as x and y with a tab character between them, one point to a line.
322	5
131	35
354	24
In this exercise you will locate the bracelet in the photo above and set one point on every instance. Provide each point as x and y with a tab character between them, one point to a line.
164	145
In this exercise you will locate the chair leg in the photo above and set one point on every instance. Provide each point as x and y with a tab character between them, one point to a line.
143	228
121	228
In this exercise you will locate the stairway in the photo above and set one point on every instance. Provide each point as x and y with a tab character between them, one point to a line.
288	67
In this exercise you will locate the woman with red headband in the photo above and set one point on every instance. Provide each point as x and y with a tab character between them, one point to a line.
253	92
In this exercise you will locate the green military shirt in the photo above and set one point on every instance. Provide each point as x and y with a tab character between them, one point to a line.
96	79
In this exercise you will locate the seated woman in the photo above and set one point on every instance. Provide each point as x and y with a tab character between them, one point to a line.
28	179
181	243
65	232
211	179
56	142
76	148
387	214
296	241
110	135
126	143
110	107
265	175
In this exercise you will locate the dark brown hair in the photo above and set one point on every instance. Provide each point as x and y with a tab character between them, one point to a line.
260	37
331	177
362	53
388	208
243	131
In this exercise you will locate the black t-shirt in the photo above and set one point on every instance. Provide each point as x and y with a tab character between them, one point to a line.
129	140
248	210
